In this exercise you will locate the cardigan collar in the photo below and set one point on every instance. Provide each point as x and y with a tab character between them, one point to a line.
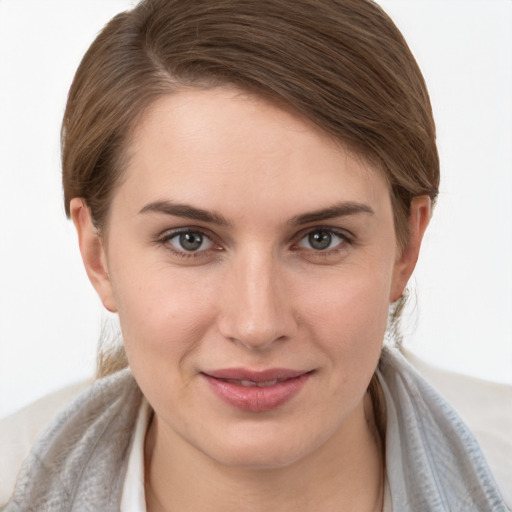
433	462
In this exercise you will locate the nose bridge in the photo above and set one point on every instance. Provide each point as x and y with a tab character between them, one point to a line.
257	311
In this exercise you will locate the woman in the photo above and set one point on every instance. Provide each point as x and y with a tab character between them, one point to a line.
250	183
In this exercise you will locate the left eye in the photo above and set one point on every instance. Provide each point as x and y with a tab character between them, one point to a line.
321	240
190	241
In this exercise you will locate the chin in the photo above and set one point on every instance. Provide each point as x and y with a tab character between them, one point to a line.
262	458
260	449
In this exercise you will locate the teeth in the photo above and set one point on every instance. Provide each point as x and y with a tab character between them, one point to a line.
250	383
268	383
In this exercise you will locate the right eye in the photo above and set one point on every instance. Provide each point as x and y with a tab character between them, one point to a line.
187	242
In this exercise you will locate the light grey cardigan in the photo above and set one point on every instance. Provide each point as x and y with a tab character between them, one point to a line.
433	462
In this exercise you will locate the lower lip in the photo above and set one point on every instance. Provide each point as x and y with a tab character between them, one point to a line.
254	398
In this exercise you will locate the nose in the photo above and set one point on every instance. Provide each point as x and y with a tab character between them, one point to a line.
256	304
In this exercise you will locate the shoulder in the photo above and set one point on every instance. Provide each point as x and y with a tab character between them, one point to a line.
83	430
19	431
485	407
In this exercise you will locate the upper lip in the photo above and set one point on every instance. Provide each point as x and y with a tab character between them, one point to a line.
267	375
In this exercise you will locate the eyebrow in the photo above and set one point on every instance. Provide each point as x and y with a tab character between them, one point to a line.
191	212
339	210
185	210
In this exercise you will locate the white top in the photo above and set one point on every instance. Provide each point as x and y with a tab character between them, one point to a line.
486	407
134	498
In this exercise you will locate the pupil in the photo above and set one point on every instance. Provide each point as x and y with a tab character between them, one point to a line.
320	240
191	241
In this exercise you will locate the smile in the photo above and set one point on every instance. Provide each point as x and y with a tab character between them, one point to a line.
251	383
256	391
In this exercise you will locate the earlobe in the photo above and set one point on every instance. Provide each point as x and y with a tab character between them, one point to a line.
93	252
419	217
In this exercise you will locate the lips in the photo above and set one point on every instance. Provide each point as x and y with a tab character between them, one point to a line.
250	383
256	391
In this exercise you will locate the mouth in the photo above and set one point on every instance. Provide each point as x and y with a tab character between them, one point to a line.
256	391
251	383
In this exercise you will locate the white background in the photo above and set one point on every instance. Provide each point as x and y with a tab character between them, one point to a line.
462	318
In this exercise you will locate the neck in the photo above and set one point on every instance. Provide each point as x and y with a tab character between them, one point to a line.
346	473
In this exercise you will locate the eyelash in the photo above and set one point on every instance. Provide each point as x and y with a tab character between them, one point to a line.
165	240
344	236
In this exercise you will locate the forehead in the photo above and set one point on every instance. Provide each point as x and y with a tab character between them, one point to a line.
224	147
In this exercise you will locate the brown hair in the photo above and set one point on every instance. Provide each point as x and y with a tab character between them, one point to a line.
342	64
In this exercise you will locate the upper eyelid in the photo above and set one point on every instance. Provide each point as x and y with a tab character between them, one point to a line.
168	234
171	232
344	233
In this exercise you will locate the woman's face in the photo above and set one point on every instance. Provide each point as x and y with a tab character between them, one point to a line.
252	261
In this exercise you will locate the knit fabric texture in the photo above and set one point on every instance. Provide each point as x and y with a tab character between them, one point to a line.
433	462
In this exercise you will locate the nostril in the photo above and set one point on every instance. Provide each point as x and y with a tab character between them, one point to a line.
258	342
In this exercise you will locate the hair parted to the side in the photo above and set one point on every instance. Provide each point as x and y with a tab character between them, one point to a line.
342	64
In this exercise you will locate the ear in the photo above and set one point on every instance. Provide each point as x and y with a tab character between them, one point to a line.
93	252
419	217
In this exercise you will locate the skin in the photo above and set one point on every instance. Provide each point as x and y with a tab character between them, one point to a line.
256	294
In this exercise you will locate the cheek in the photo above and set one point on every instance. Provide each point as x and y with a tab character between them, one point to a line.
163	314
355	300
163	322
348	320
